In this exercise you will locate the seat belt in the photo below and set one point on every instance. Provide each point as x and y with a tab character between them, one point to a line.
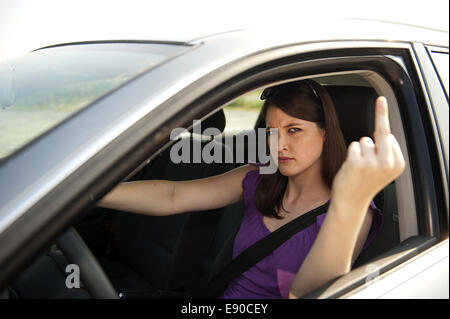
258	251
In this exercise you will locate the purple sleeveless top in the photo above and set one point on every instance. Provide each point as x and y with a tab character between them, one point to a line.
272	277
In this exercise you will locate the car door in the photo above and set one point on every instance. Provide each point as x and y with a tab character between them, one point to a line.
174	101
391	70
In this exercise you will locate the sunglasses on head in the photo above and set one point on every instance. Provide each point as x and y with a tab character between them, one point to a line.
272	91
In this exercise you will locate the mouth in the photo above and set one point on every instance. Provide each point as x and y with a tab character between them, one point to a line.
284	159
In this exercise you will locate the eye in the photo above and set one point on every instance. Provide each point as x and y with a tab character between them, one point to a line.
294	130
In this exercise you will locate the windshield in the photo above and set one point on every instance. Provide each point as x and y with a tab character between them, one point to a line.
43	88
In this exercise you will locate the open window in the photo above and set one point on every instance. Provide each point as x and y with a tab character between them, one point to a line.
409	203
354	94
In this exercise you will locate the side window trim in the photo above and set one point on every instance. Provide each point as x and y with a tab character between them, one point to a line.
437	104
433	52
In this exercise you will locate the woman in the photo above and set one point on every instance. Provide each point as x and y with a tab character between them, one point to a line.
312	170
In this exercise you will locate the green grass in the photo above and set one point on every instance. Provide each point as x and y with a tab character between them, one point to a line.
250	101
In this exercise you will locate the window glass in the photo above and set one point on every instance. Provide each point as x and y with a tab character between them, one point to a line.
242	113
43	88
440	60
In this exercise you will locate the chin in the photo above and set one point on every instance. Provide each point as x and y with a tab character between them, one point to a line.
288	171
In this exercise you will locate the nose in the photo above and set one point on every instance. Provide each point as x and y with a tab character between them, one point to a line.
282	141
278	142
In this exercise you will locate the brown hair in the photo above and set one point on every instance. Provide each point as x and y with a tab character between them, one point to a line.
309	101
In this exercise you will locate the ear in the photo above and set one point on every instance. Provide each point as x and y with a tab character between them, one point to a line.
324	134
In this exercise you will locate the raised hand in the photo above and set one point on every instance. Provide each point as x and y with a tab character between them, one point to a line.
370	165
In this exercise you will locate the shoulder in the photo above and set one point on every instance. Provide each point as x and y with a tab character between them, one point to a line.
251	176
240	176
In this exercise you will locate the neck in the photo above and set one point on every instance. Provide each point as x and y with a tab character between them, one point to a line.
308	186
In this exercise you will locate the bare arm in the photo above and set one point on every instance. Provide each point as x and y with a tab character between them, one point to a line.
338	244
160	198
367	169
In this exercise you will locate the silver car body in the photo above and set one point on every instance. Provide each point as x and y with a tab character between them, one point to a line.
224	56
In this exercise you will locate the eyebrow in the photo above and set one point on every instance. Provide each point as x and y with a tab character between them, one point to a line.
288	125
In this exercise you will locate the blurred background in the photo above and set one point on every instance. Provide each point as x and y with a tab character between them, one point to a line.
29	24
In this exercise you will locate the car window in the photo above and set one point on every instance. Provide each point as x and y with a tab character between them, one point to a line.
440	60
242	113
41	89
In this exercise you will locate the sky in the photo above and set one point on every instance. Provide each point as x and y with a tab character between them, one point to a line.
29	24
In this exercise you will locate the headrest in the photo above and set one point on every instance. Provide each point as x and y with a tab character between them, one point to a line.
217	120
355	108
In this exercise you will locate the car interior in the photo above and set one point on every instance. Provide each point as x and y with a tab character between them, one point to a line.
179	253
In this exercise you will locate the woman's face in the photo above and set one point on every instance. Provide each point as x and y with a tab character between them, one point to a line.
300	142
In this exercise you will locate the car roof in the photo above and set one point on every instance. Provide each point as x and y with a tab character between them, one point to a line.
344	29
299	32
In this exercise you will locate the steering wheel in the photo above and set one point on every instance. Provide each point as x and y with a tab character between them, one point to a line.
92	274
